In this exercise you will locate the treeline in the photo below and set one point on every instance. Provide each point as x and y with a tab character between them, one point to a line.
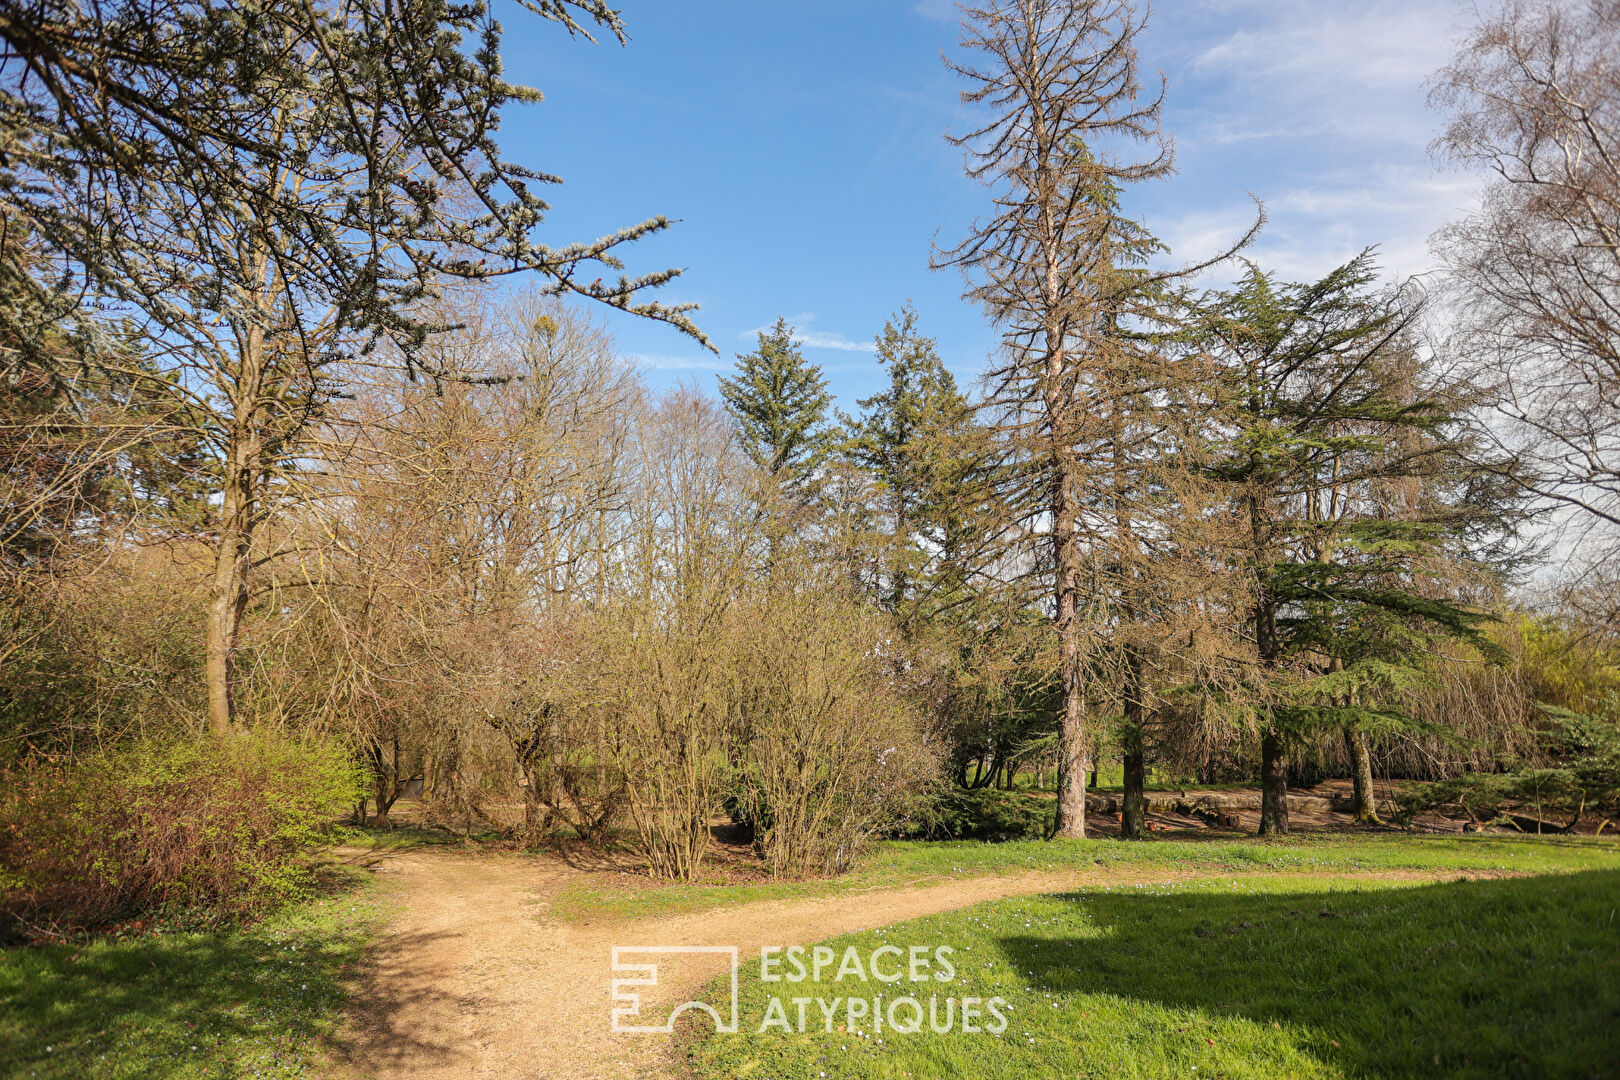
297	499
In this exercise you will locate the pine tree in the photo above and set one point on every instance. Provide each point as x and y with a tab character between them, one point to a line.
918	439
1058	270
780	401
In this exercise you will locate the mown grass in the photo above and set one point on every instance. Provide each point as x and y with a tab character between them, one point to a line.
898	863
1257	976
242	1003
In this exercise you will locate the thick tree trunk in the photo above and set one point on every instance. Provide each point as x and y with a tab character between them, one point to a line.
1366	809
384	804
536	814
1273	748
227	598
225	606
1072	765
1273	785
385	784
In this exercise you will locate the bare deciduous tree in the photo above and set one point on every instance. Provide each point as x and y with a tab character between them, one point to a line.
1534	94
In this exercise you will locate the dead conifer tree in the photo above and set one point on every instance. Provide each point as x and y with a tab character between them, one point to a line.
1058	269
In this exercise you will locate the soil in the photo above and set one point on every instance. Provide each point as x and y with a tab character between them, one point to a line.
475	979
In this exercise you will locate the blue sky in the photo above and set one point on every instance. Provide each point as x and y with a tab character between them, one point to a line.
800	144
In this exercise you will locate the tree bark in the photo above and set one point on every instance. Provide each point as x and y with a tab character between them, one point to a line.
536	814
228	592
1071	808
1273	748
1273	785
1366	808
1133	810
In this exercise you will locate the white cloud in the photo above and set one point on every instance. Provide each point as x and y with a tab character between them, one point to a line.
661	362
938	10
813	339
1353	69
1321	110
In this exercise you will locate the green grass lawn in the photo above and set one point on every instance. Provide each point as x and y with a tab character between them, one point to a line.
897	863
1261	976
164	1006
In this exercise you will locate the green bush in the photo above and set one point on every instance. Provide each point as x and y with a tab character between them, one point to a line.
987	814
214	827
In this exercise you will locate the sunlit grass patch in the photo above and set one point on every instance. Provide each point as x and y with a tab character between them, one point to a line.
1256	977
901	863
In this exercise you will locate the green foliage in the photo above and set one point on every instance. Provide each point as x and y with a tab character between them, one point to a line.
210	827
183	1005
920	442
93	660
1571	667
1236	977
988	813
1365	524
907	863
780	403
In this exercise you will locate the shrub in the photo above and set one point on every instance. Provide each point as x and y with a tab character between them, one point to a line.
830	751
214	827
987	814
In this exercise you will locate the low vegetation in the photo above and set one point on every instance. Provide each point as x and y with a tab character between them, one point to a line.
200	829
1252	976
157	1002
896	864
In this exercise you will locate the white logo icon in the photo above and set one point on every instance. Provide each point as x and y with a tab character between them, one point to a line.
627	1002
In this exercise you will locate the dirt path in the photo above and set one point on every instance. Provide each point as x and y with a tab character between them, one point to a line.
474	980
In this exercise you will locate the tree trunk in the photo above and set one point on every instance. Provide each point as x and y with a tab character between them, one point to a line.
1273	785
224	617
1133	811
536	814
382	795
228	592
227	598
1072	766
1366	809
1273	748
385	783
1071	808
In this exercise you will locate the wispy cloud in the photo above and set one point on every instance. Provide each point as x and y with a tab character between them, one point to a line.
939	10
813	339
1355	69
1320	110
660	362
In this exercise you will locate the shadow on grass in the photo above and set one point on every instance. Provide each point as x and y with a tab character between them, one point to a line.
1513	978
229	1003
